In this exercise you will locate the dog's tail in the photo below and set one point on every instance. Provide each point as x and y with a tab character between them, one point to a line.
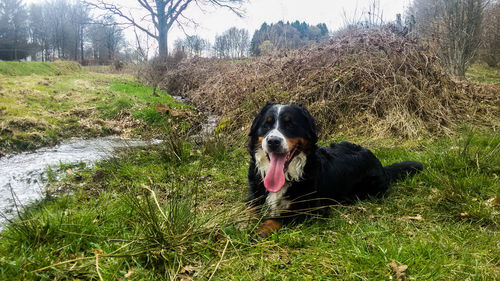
399	171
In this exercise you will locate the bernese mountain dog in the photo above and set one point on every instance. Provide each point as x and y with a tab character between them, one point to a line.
290	177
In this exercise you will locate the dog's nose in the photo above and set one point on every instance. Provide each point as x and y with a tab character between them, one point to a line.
274	143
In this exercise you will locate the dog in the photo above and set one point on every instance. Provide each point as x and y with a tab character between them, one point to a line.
290	177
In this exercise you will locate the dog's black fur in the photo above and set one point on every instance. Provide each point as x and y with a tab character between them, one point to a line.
338	173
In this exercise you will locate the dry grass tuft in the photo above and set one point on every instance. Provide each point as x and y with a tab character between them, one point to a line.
371	82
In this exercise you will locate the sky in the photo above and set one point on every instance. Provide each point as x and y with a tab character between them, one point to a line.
216	21
210	21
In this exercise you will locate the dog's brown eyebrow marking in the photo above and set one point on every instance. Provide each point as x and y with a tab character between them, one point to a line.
269	119
287	118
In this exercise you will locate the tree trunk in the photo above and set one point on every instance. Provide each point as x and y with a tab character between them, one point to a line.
81	43
162	33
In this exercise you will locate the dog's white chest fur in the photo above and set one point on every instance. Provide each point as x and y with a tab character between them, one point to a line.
277	202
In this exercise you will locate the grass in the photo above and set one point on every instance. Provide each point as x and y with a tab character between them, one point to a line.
10	68
43	108
175	211
482	73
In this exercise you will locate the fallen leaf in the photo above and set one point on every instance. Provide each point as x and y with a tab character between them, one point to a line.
493	202
399	270
129	273
187	272
97	251
69	171
188	269
412	218
161	108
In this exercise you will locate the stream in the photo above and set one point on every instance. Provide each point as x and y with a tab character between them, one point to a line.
23	176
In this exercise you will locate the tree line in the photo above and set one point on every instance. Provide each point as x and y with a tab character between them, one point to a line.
236	43
56	29
64	29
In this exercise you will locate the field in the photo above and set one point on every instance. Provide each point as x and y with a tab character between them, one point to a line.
175	210
43	103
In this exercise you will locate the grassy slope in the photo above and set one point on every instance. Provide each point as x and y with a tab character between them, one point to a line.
442	224
12	68
42	108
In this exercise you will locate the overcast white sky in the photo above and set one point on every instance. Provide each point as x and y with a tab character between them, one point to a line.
216	21
213	21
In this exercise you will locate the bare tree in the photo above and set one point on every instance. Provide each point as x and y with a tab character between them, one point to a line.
143	45
490	49
106	39
195	45
453	26
462	21
233	43
57	29
221	46
162	14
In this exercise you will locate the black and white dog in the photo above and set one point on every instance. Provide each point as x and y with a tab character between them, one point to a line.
290	176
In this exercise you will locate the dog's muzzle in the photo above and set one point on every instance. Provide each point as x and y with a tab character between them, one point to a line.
275	144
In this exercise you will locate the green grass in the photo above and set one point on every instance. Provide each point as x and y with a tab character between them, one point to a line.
60	101
482	73
39	68
443	223
144	96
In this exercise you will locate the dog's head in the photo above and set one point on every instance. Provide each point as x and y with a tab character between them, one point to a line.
281	136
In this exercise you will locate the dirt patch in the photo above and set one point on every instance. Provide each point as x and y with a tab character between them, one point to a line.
372	82
26	123
123	126
81	112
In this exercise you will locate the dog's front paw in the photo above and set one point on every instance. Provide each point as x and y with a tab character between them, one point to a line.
267	228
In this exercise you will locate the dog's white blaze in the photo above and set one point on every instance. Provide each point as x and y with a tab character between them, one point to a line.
277	202
278	134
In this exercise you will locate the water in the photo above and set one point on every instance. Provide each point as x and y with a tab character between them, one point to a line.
208	128
24	174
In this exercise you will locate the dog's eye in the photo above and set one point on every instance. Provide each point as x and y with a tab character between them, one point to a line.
287	119
269	119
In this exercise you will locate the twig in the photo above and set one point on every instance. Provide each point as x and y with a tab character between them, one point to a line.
222	256
156	200
97	265
61	263
85	258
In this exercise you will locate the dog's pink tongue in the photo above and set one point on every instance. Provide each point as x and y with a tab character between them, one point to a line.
275	176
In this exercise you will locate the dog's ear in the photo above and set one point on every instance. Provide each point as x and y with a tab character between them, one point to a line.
313	129
258	118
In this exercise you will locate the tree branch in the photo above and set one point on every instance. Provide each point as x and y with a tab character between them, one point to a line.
115	10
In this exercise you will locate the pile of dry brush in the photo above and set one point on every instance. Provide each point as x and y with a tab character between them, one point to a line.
370	82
